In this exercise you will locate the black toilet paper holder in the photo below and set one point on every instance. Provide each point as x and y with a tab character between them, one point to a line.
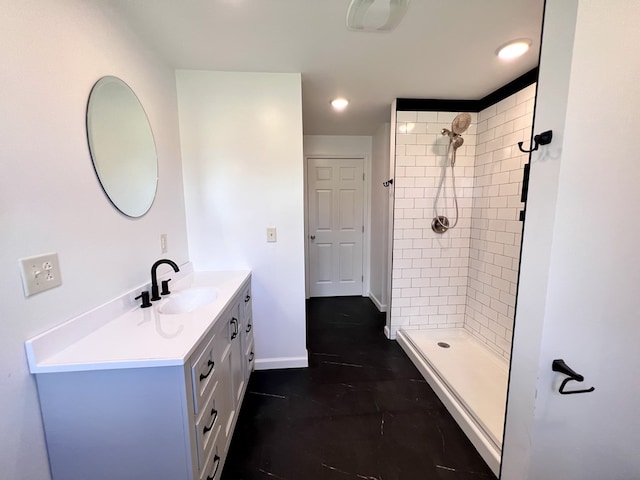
560	366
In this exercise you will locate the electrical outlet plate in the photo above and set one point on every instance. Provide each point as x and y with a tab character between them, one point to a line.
40	273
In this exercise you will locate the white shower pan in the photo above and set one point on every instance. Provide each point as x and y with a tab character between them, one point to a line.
470	380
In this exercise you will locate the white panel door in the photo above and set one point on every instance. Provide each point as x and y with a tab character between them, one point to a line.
336	226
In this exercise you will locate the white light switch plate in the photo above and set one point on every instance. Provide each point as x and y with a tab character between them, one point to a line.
164	248
40	273
271	234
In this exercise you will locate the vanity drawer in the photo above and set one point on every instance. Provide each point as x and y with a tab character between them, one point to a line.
247	330
203	375
246	302
213	465
249	357
207	428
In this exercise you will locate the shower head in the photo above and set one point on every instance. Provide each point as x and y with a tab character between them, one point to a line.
455	139
458	126
461	123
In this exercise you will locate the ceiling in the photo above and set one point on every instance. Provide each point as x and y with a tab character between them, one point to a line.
442	49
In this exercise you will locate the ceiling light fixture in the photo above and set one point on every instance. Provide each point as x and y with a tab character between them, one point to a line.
514	49
339	103
375	15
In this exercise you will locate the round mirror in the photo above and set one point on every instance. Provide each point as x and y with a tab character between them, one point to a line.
122	146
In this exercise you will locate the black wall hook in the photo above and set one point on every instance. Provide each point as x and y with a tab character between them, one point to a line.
388	182
560	366
542	139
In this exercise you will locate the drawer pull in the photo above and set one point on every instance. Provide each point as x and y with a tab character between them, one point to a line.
234	322
216	460
207	428
251	355
249	327
247	298
205	375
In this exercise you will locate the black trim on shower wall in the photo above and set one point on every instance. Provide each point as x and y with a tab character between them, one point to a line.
438	105
509	89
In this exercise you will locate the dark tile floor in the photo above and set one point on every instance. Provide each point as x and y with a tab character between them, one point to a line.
360	411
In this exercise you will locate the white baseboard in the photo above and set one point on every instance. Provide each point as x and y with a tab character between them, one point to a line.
387	333
281	362
382	307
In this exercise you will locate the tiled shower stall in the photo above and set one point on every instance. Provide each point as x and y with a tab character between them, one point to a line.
466	277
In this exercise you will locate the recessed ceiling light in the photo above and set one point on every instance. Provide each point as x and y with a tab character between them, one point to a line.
339	103
514	49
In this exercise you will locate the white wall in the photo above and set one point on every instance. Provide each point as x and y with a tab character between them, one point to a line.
50	200
380	216
579	280
551	103
337	145
241	138
345	146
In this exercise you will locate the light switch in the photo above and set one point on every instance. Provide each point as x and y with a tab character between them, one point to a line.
40	273
163	243
271	234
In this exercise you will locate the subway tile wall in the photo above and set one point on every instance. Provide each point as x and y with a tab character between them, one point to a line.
496	231
467	277
430	271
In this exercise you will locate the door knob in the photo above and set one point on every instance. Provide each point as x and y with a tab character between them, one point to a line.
313	237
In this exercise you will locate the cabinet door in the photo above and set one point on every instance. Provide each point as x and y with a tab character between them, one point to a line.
237	365
226	407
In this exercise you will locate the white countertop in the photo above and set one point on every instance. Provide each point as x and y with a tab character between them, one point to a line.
139	337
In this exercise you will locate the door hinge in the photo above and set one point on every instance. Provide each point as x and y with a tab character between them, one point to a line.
362	228
363	176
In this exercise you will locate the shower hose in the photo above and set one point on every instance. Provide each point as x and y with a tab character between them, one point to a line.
451	154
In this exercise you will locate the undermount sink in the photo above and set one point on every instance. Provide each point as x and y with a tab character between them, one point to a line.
185	301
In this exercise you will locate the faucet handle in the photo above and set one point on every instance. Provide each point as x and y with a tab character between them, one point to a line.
145	299
165	287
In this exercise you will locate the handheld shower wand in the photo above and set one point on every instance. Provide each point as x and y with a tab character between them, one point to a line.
440	223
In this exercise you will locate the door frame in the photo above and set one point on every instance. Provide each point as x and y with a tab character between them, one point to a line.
366	203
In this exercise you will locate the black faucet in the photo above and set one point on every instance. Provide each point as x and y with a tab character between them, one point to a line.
154	276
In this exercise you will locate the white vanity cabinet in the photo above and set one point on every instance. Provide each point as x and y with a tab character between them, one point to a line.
160	422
